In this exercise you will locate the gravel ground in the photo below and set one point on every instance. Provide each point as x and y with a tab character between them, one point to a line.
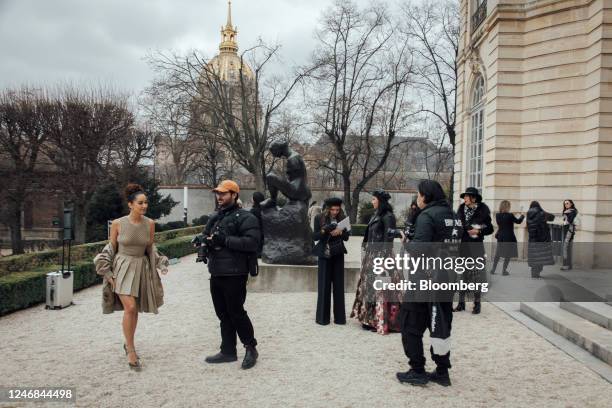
496	361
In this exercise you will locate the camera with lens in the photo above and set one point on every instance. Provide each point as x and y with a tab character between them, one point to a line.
200	242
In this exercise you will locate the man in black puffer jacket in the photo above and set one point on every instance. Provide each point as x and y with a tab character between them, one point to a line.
233	236
434	226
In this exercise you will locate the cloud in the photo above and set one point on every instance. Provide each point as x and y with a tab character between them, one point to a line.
45	42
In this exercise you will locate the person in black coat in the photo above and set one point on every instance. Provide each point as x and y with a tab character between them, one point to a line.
410	223
232	237
506	240
377	242
330	251
570	212
434	223
257	198
475	217
540	243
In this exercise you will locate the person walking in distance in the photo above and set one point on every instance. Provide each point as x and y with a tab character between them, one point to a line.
232	236
506	240
570	218
539	249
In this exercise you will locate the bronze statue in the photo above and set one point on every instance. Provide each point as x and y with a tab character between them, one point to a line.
294	185
287	233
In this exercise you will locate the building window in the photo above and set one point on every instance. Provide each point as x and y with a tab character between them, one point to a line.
476	135
479	14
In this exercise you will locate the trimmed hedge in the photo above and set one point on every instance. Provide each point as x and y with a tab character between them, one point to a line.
164	236
22	289
19	290
358	230
84	252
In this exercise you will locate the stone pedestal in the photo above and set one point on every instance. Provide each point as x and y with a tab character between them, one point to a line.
287	235
297	278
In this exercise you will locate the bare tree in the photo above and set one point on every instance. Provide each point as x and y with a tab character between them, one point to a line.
82	127
432	30
22	137
240	107
360	81
129	151
176	152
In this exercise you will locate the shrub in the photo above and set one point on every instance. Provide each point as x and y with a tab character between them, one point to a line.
19	290
358	230
22	289
200	220
85	252
366	210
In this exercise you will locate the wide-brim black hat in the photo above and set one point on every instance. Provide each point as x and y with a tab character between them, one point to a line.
381	194
472	191
333	201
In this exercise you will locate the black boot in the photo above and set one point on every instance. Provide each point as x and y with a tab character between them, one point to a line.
476	309
413	377
505	273
221	358
440	377
460	307
250	357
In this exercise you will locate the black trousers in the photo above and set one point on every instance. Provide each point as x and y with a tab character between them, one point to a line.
415	318
228	296
496	261
331	279
536	270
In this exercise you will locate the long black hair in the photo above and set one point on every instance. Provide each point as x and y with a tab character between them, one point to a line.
384	206
431	191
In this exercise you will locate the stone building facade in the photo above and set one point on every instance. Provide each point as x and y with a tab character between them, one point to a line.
534	114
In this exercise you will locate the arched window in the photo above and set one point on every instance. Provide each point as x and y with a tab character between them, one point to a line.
476	135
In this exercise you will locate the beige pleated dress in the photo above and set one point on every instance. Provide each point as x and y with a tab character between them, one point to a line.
131	268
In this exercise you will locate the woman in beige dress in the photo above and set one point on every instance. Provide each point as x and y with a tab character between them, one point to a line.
131	237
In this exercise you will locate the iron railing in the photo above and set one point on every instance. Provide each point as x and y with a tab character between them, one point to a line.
479	15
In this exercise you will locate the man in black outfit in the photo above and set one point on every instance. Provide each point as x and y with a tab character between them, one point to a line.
434	226
233	236
258	197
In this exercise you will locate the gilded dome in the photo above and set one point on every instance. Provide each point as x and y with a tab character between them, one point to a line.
227	64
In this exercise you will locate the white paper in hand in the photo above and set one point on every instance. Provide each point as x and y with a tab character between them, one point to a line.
345	224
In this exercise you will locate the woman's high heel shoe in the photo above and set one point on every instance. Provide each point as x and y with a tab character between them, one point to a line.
137	366
126	351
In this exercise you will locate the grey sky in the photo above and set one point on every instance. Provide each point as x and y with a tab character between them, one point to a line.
48	41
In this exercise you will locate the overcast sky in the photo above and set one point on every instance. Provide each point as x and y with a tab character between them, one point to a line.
43	42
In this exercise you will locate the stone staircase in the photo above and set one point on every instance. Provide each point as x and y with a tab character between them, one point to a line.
586	324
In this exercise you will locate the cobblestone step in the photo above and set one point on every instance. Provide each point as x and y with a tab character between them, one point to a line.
595	312
580	331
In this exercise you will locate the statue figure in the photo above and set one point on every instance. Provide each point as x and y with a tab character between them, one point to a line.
287	231
294	186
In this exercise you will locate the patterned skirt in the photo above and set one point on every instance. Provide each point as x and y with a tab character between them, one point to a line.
377	309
